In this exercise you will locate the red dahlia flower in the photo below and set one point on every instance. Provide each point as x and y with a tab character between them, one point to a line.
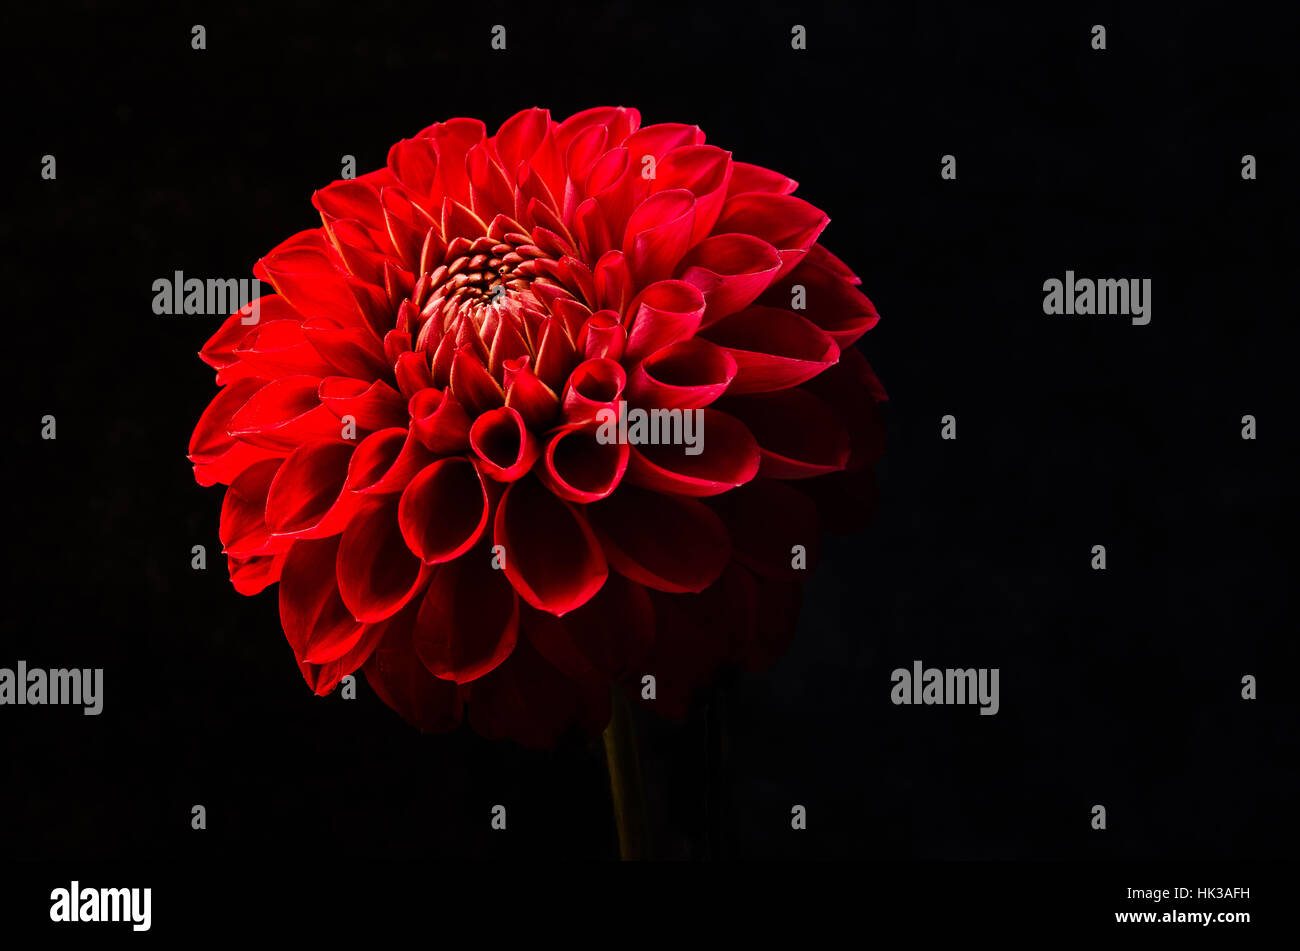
410	431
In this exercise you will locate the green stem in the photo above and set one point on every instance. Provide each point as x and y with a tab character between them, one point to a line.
625	780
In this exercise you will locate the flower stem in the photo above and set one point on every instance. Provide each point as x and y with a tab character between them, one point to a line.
625	780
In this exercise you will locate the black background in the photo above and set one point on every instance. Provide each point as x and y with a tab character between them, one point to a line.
1119	688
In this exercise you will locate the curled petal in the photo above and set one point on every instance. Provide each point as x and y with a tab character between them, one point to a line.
525	392
659	234
773	349
439	422
662	314
602	336
444	511
551	555
386	461
728	457
284	414
579	467
704	171
373	407
593	386
307	498
731	271
505	447
474	387
377	573
789	224
688	374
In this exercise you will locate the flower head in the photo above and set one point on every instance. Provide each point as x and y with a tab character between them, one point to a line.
430	432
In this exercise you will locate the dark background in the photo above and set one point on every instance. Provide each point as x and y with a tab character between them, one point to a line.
1119	687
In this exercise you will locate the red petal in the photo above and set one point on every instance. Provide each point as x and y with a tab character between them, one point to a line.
386	461
690	374
767	518
529	701
377	574
789	224
254	574
551	556
731	270
439	422
469	619
601	642
310	280
664	542
373	407
473	386
444	511
774	349
395	672
351	351
703	170
593	386
285	414
504	445
754	178
243	530
729	458
602	336
833	303
659	234
525	392
580	468
307	498
799	435
663	313
315	621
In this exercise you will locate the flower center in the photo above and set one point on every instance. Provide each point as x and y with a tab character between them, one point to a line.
482	300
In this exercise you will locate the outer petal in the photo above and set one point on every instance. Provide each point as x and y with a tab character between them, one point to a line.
766	519
307	498
799	435
314	618
665	542
396	673
604	640
774	349
468	621
729	457
532	703
833	303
